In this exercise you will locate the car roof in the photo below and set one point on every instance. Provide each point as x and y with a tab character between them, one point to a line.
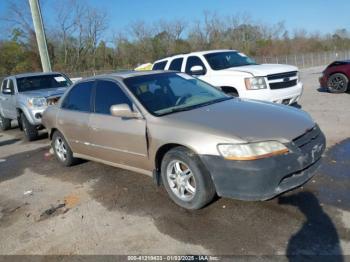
35	74
195	53
128	74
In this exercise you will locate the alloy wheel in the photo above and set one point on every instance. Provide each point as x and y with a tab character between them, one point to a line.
337	83
61	149
181	180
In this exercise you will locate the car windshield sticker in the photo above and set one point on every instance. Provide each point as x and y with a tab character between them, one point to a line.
60	79
241	54
187	77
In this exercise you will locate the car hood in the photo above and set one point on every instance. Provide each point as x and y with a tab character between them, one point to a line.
263	69
45	92
247	120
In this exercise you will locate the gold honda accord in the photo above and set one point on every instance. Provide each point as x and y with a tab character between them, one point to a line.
191	137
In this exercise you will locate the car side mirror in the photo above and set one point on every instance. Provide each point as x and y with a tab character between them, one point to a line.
7	91
124	110
197	70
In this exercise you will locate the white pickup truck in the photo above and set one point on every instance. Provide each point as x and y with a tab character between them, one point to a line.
239	75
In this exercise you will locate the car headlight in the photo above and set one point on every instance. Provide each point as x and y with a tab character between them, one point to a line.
251	151
255	83
37	102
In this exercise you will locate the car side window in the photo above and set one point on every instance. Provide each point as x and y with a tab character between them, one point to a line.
159	65
11	87
4	86
193	61
79	97
176	64
109	93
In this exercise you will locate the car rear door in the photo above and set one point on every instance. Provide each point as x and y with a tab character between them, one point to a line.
74	114
116	139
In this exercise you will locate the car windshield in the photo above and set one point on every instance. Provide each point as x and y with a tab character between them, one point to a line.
32	83
223	60
167	93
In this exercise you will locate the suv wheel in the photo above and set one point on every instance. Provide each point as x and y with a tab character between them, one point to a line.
30	131
338	83
62	150
5	123
186	180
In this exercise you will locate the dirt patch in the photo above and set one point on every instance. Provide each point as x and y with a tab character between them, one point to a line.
71	201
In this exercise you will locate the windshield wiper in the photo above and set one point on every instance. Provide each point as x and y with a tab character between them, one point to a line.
181	109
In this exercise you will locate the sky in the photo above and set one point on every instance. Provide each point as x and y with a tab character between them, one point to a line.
312	15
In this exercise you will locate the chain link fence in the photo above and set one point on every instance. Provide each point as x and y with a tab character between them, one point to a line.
300	60
305	60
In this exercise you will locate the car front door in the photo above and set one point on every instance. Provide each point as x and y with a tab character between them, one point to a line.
73	117
116	139
8	100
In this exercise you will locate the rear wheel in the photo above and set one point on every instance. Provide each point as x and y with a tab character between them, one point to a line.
5	123
338	83
30	131
62	150
186	180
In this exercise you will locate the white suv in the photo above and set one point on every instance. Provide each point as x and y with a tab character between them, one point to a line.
239	75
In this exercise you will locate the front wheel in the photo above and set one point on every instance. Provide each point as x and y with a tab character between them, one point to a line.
5	123
338	83
186	180
30	131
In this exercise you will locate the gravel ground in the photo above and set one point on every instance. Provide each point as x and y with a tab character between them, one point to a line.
96	209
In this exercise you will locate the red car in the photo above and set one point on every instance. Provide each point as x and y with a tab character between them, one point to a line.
336	77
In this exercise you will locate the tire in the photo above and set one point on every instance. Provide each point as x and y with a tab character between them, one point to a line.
193	179
230	91
62	150
30	131
338	83
234	94
5	123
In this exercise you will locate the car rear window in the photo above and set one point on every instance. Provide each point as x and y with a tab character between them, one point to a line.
176	64
159	65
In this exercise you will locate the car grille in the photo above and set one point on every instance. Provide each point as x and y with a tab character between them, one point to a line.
280	85
307	137
282	75
282	80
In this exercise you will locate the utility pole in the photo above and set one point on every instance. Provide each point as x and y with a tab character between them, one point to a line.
40	35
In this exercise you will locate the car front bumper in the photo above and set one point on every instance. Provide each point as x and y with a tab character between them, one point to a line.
323	81
265	178
34	116
286	96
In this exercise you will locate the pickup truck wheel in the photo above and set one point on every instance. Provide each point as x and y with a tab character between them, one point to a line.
338	83
30	131
62	150
5	123
186	180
